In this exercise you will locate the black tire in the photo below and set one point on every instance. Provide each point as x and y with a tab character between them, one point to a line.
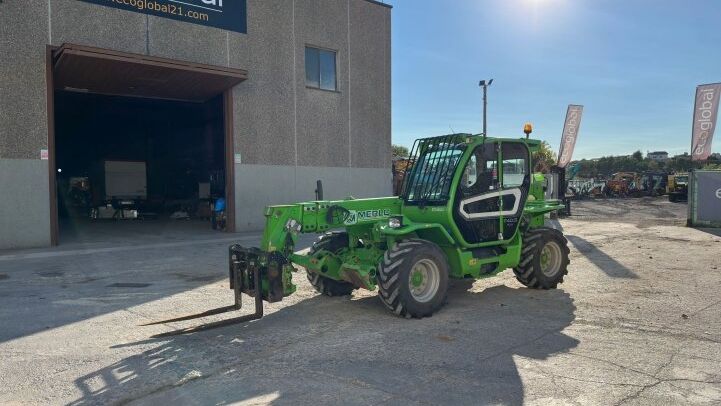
395	273
672	198
530	271
332	242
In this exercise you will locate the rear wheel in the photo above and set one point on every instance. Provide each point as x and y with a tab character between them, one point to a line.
544	259
333	242
413	278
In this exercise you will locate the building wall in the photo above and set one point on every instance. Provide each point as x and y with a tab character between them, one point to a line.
286	134
24	199
342	138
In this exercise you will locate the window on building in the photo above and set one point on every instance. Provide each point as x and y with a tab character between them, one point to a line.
320	68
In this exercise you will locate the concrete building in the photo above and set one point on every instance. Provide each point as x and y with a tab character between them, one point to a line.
658	156
264	102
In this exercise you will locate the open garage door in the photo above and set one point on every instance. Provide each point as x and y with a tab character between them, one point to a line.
137	137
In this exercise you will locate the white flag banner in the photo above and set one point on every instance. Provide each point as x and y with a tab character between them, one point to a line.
705	113
570	133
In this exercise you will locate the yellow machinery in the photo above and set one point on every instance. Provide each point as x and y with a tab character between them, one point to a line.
677	187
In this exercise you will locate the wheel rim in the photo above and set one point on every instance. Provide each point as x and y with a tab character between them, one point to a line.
424	280
551	258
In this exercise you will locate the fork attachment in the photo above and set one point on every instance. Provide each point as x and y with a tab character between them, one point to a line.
253	272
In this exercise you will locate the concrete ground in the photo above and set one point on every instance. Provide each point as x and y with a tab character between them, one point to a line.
638	321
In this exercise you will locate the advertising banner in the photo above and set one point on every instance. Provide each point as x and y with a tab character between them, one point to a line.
570	133
705	113
224	14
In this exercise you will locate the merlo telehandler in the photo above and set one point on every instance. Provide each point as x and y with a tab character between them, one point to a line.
470	207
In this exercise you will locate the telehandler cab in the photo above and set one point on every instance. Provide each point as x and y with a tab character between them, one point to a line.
469	208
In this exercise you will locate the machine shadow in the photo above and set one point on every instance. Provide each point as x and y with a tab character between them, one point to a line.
603	261
712	231
336	351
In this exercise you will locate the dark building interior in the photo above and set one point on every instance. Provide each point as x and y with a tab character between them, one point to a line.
180	143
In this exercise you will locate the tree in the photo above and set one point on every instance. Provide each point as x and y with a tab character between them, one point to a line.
544	158
638	155
681	163
400	151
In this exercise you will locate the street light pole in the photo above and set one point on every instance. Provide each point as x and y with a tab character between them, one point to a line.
485	85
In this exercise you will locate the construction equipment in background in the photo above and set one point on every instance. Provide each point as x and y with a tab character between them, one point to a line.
573	170
621	184
400	168
470	207
677	187
650	183
557	185
572	184
581	189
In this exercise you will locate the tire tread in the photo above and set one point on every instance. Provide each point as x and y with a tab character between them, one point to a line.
526	273
389	279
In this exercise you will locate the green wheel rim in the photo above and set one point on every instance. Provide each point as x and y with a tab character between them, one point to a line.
424	280
551	259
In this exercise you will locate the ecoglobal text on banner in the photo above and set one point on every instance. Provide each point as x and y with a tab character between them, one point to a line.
570	133
705	113
228	15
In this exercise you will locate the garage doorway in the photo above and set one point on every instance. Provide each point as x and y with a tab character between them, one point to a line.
139	147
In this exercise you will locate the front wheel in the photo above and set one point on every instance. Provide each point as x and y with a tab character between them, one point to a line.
413	278
333	242
544	259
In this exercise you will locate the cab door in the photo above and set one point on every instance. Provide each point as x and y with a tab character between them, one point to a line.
493	189
515	184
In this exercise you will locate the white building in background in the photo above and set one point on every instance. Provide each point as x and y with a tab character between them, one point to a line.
659	156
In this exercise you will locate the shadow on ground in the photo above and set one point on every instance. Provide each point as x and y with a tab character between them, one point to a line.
603	261
712	231
42	290
339	351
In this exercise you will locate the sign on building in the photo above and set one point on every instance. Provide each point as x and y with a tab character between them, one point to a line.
705	113
228	15
570	133
704	199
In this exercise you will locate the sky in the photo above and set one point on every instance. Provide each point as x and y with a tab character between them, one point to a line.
633	64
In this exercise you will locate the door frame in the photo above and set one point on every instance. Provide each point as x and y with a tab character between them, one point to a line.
52	179
228	126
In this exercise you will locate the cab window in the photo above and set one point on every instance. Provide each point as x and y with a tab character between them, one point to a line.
515	164
481	174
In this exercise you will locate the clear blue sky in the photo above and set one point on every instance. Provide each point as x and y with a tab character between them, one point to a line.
633	64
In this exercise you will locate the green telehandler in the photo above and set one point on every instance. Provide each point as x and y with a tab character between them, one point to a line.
470	207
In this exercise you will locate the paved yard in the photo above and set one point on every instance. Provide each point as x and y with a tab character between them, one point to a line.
638	321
